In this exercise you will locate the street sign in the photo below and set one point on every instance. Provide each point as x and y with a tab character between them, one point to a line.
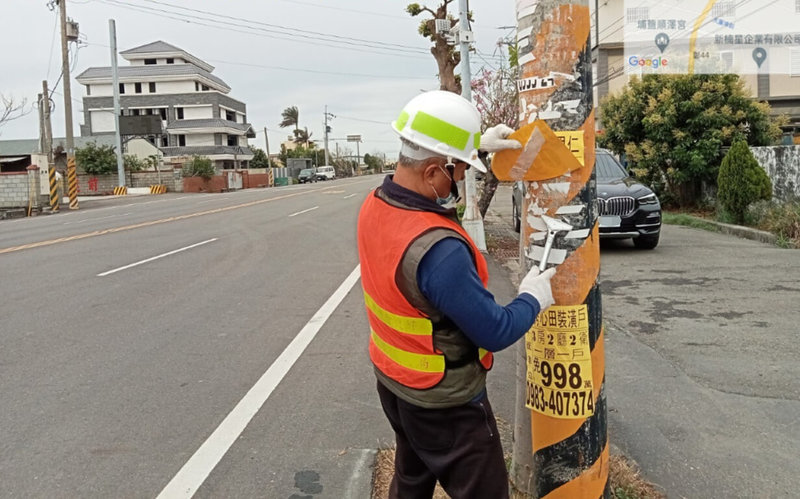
354	138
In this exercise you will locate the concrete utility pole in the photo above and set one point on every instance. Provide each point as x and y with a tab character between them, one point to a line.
472	221
327	130
566	453
72	177
47	148
266	144
112	35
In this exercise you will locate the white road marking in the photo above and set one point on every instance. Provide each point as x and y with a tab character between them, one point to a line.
361	467
304	211
192	475
156	257
349	196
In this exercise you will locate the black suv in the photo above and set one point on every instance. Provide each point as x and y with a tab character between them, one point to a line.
626	207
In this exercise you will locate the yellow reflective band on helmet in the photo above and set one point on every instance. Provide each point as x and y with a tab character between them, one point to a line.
407	325
415	361
402	120
476	141
440	130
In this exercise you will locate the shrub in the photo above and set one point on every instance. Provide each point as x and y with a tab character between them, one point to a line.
199	166
783	220
96	160
133	163
741	181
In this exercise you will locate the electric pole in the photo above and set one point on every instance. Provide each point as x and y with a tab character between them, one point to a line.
561	442
327	116
112	34
266	144
47	148
72	177
472	221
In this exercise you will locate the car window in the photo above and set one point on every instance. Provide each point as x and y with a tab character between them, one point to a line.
608	169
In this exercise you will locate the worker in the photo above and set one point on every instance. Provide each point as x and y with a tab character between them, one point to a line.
433	323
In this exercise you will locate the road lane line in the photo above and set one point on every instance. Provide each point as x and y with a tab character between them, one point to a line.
136	264
196	470
349	196
95	219
304	211
148	224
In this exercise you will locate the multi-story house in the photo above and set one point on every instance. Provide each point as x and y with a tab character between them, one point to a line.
197	114
609	21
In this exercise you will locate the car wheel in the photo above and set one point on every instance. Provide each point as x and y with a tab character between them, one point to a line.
515	217
646	242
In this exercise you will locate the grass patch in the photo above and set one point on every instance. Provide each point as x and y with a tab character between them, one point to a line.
688	221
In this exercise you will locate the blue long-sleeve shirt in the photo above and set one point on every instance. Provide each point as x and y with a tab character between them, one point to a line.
448	279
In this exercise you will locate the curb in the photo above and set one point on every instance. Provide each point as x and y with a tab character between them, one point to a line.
740	231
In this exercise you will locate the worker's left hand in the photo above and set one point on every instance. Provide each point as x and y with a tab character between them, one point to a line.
495	139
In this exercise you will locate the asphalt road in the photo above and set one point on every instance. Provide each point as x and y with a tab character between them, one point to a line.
110	383
208	343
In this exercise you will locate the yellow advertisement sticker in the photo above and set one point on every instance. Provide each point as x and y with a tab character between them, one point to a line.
559	374
574	142
542	156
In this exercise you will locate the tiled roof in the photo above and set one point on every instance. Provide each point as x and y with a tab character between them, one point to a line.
31	146
208	123
143	72
242	152
157	46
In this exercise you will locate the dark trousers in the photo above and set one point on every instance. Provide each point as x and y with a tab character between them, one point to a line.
458	446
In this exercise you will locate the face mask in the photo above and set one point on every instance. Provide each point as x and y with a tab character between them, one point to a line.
451	198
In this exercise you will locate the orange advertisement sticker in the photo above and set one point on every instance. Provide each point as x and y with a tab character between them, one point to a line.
543	155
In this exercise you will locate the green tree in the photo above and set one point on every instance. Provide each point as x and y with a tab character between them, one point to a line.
741	181
260	159
373	162
96	160
199	166
290	117
447	57
672	127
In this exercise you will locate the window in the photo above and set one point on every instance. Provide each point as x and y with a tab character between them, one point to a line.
152	86
179	112
797	6
88	90
182	140
794	62
726	56
230	116
170	60
637	14
233	140
205	88
196	86
163	113
134	112
137	87
150	62
122	88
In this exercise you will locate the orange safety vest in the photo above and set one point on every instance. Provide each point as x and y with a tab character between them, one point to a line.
401	339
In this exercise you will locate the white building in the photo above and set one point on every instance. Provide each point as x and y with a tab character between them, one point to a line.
197	114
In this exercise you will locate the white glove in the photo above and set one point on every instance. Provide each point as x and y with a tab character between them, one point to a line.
494	139
538	285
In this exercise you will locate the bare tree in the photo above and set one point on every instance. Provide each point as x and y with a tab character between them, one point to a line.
447	57
11	109
496	96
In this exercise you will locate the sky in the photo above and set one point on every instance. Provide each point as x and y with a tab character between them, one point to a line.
363	59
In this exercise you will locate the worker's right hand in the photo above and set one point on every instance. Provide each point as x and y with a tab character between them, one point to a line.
538	285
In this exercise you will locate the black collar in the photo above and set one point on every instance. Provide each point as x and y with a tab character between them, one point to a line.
413	200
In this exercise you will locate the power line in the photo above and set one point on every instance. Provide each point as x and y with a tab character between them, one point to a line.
270	33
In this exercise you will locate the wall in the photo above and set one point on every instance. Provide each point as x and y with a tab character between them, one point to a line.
782	164
99	185
102	121
175	87
198	112
200	139
14	190
198	184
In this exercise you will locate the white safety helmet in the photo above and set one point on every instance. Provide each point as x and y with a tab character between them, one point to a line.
443	123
